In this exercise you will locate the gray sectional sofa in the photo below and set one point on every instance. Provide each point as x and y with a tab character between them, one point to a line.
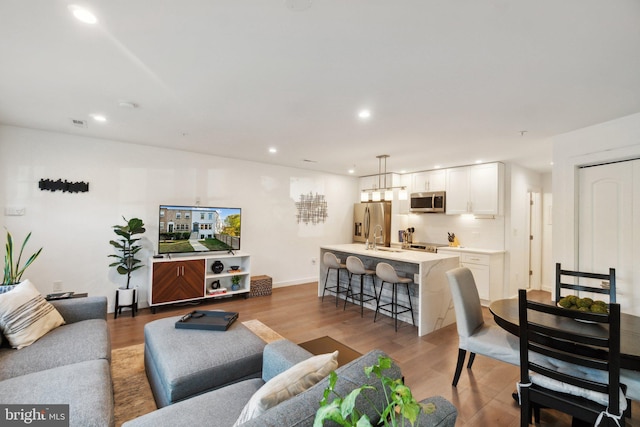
222	406
69	365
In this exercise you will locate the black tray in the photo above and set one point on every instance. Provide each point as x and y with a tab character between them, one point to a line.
210	320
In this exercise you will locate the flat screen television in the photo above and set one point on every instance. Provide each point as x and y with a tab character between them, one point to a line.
188	229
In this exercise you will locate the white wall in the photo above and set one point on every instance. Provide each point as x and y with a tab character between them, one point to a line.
610	141
132	180
548	266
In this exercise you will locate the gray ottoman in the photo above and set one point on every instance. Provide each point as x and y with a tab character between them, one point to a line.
181	363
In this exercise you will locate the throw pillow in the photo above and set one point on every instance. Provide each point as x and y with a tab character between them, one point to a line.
288	384
26	316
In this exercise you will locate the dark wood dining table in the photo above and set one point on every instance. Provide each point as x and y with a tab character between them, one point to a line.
505	313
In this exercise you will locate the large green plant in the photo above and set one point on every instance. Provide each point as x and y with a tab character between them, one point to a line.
400	403
12	271
127	247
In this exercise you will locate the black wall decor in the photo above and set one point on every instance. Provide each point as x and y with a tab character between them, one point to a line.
64	186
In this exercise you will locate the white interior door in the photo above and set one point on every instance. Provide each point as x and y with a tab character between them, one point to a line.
535	241
606	225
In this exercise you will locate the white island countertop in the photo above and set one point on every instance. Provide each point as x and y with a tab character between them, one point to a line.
464	249
396	254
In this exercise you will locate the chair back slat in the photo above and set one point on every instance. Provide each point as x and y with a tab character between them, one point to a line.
561	284
573	352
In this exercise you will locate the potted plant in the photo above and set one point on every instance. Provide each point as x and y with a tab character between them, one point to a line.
126	262
400	403
235	282
12	271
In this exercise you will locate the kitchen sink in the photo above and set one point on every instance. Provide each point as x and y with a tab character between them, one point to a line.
390	250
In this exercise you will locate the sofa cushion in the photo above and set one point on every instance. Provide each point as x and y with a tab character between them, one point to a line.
25	315
301	409
85	387
76	342
219	407
288	384
278	356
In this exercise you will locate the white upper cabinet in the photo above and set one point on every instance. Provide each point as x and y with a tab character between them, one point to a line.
475	189
429	181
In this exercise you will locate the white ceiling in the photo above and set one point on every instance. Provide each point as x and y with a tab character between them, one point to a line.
448	81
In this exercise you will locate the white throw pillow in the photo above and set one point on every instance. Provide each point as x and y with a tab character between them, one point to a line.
26	316
288	384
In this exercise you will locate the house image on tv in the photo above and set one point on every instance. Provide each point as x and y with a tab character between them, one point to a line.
174	221
206	224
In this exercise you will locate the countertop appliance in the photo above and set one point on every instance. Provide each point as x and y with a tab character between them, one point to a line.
425	247
371	218
428	202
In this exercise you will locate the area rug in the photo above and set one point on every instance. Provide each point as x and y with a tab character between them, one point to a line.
132	394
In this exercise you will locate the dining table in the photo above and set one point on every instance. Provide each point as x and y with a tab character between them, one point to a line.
505	314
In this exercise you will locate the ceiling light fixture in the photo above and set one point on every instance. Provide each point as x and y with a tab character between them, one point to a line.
364	114
382	191
99	117
273	150
82	14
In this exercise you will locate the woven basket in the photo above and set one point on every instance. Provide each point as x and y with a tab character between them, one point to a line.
260	286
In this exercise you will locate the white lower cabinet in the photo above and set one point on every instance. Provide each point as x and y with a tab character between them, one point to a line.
487	268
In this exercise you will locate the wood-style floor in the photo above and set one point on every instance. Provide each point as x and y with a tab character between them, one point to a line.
483	395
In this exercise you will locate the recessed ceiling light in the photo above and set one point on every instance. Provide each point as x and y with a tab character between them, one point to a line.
352	171
99	117
364	114
82	14
437	167
273	150
478	162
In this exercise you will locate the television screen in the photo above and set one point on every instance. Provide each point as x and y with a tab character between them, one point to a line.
184	229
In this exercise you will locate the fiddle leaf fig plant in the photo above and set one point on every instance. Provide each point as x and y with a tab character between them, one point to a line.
400	407
127	247
12	271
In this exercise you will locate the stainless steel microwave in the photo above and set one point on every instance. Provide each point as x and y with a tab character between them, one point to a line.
430	201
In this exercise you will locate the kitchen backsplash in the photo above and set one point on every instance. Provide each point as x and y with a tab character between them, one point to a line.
471	232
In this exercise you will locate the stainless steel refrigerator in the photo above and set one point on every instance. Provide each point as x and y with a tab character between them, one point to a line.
370	217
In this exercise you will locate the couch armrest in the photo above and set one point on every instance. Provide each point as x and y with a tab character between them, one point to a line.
445	414
281	355
76	309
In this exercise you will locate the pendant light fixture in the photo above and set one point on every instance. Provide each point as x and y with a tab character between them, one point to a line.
382	191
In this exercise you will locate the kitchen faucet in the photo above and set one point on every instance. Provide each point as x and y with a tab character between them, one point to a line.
375	236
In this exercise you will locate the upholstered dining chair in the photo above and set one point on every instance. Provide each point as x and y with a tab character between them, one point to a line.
474	334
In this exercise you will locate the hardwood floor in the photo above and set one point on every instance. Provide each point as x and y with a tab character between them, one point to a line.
483	395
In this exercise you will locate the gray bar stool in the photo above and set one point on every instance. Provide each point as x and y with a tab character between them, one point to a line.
356	268
332	262
388	274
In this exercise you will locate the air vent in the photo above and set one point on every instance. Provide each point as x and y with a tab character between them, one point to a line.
79	123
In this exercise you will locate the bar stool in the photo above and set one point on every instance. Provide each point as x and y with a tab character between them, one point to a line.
356	268
331	261
388	274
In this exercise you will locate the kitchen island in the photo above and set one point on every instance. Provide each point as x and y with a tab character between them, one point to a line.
430	295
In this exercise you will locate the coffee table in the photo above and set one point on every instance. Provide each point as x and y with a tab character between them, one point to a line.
327	344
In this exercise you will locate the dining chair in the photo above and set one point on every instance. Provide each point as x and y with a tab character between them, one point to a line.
474	334
571	370
603	288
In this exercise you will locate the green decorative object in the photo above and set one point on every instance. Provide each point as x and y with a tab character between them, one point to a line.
401	406
127	247
235	283
12	271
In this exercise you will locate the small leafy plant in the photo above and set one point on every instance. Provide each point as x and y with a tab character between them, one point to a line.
127	247
400	403
12	271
